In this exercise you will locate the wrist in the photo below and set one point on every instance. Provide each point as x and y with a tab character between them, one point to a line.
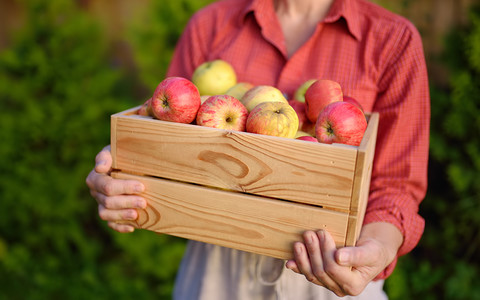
387	235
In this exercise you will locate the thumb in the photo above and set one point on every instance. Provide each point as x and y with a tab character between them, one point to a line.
356	256
103	161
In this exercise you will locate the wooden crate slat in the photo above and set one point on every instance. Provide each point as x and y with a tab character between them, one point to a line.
231	219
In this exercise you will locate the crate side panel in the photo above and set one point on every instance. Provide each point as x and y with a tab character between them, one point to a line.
275	167
361	187
231	219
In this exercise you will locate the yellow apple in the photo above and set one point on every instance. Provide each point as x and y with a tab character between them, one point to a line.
262	93
302	89
273	118
239	89
301	133
214	77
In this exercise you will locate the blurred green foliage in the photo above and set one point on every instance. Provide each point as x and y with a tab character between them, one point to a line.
58	87
153	36
446	263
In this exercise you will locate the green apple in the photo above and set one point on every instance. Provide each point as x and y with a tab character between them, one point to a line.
214	77
239	89
262	93
302	89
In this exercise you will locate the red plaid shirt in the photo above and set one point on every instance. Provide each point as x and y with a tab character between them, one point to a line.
376	56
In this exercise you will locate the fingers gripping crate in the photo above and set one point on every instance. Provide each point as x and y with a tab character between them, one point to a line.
241	190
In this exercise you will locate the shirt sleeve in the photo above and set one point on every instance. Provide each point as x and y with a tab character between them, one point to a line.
399	175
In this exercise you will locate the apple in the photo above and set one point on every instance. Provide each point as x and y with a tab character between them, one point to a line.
304	123
321	93
308	127
214	77
353	101
239	89
273	118
341	122
262	93
223	111
299	108
305	136
301	133
176	99
308	138
145	110
203	98
299	94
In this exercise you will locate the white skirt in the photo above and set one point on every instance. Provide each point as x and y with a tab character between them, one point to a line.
210	272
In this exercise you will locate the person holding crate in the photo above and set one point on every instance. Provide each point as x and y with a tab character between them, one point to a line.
378	58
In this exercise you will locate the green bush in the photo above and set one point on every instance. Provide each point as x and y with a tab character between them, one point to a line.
154	35
446	263
58	89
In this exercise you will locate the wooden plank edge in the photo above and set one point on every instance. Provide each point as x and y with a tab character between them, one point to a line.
113	140
361	184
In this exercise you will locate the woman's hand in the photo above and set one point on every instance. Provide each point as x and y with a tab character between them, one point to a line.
348	270
116	198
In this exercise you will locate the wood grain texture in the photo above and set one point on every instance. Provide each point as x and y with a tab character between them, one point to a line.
276	167
231	219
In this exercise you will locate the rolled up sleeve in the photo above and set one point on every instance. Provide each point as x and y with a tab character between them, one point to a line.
399	175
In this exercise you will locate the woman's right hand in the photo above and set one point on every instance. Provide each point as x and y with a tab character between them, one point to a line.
117	198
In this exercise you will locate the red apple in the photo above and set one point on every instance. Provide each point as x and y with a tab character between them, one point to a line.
223	111
321	93
341	122
353	101
176	99
204	97
304	123
308	138
308	127
299	108
273	118
145	110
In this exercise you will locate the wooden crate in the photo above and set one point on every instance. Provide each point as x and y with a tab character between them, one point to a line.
246	191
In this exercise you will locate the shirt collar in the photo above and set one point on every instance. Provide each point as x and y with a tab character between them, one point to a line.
346	9
249	8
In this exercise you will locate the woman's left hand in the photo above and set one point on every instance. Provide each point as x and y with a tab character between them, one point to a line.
348	270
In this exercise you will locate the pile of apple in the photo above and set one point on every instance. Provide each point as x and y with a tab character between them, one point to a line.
319	111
